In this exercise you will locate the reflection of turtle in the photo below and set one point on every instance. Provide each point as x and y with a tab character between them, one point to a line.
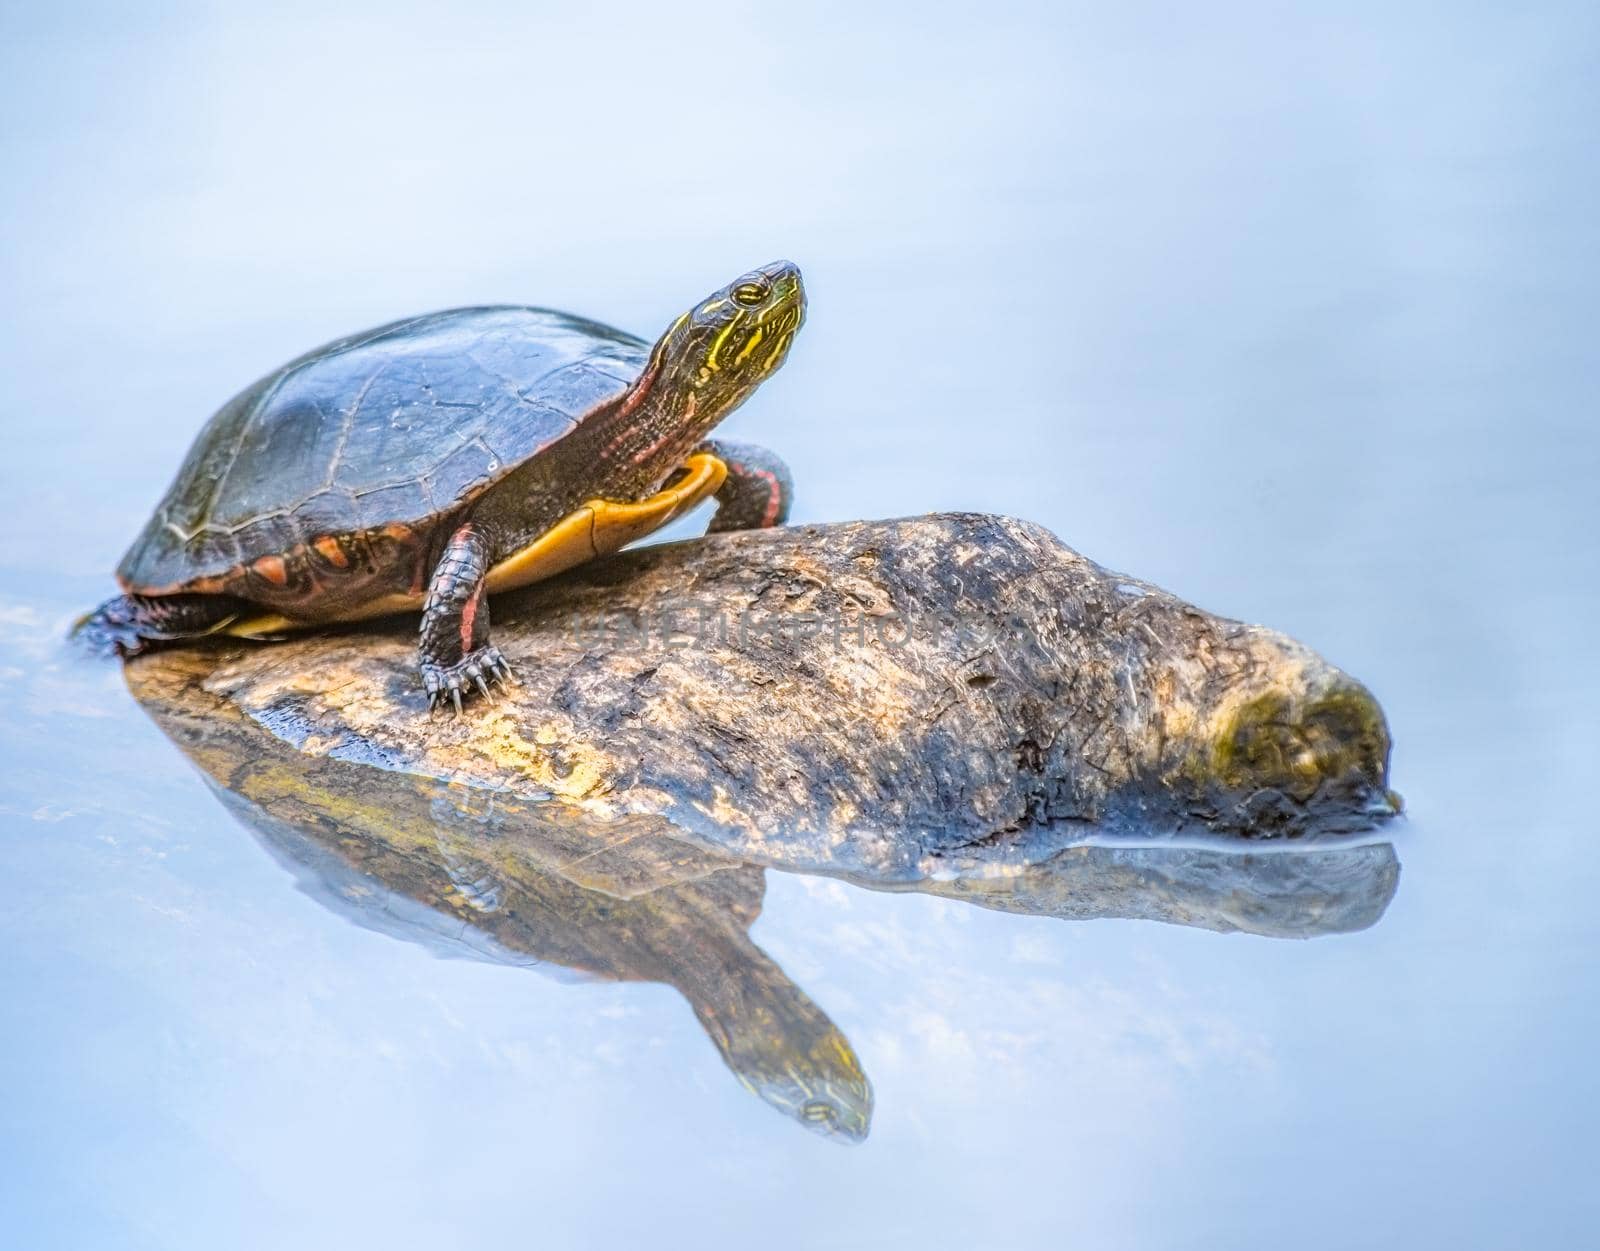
505	879
422	464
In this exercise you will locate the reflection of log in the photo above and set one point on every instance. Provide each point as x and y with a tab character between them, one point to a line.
1278	893
873	696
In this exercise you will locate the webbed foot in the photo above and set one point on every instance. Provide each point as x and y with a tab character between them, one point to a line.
130	624
110	630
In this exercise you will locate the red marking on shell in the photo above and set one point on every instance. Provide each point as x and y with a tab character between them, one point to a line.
272	569
330	550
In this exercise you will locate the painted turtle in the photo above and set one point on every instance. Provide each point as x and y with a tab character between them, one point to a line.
423	464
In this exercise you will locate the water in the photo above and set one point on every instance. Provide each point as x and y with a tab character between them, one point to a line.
1289	312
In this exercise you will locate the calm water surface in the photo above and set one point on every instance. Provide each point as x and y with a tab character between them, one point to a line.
1291	314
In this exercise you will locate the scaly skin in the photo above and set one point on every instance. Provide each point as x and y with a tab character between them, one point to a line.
757	492
706	365
130	624
455	645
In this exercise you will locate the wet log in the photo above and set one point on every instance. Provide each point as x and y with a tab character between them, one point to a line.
885	697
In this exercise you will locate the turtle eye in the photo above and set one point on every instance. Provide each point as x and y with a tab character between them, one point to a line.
749	293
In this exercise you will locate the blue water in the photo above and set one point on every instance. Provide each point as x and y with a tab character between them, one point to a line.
1288	309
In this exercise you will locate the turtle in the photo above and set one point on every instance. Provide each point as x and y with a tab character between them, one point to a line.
423	464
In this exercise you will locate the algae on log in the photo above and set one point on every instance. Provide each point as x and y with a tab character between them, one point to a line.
874	696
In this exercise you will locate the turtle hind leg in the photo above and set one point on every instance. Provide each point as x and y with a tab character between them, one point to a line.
454	653
130	624
757	492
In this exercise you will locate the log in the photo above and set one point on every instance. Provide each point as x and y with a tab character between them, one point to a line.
882	698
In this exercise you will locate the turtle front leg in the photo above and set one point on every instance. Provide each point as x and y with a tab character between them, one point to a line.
757	492
455	650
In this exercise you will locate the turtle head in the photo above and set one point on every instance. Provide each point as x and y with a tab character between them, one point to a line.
778	1042
719	351
786	1051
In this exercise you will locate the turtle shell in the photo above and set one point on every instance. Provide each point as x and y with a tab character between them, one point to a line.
399	426
595	528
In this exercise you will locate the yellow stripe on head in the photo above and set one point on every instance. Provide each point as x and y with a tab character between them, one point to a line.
777	353
716	345
749	346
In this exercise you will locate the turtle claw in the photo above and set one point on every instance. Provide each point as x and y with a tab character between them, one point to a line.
475	669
